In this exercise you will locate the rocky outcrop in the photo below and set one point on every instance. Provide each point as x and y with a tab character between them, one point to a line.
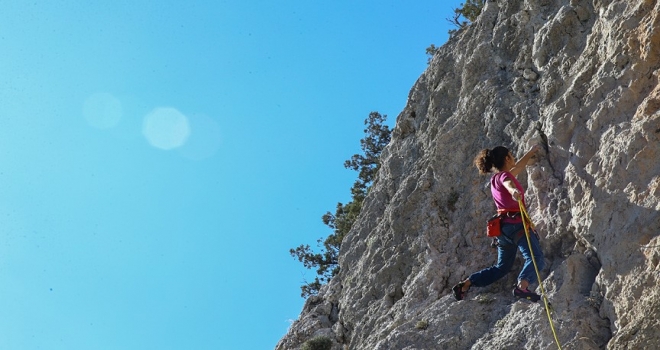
578	77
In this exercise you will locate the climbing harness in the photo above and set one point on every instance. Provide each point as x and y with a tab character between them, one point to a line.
494	224
528	221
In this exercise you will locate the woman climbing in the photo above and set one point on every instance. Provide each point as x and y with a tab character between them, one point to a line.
507	191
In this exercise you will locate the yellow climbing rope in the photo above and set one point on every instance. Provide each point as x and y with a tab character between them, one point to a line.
527	220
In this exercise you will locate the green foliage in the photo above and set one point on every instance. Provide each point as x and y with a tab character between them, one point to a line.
466	14
485	299
422	325
471	9
377	136
317	343
430	52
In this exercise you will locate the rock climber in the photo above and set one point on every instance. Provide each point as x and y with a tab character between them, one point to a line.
507	191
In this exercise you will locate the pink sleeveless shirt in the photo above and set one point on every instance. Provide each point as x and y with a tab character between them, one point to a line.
502	197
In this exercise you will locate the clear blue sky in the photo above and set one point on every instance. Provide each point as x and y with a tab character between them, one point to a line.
158	159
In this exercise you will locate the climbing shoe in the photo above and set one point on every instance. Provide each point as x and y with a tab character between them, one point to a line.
526	294
459	293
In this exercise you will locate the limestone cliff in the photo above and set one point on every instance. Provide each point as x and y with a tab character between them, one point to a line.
582	79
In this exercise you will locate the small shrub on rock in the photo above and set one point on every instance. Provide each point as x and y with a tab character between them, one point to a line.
318	343
422	325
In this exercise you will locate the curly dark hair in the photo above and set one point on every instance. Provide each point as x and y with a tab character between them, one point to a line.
487	159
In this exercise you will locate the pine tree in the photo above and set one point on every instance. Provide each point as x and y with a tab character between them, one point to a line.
326	263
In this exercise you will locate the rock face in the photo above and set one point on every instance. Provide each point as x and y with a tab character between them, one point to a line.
582	79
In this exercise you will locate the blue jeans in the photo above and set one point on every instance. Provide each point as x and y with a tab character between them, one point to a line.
513	235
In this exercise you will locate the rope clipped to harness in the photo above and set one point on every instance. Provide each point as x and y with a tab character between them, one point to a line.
528	221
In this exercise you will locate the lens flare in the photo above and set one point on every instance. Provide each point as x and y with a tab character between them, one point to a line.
166	128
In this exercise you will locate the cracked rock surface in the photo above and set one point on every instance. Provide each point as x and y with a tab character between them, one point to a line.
578	77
